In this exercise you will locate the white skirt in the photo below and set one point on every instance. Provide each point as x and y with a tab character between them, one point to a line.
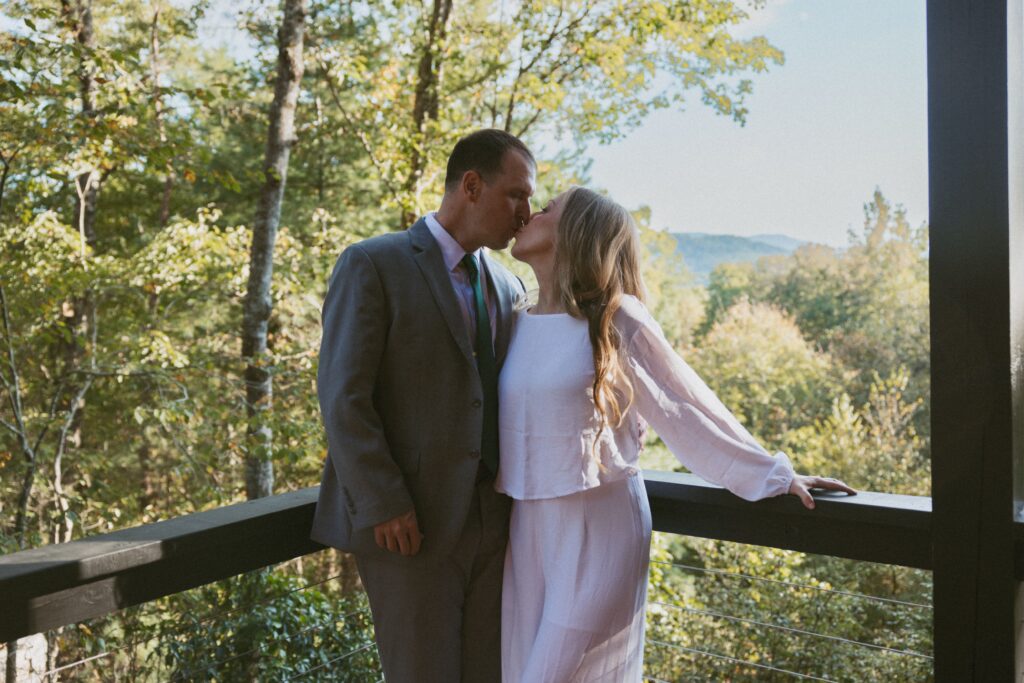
575	587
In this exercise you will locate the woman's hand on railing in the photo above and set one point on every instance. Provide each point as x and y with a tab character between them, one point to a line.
802	485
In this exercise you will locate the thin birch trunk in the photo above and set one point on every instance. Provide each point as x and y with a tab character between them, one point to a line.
79	19
258	305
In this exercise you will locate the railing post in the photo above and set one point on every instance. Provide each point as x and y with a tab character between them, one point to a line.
971	205
1015	149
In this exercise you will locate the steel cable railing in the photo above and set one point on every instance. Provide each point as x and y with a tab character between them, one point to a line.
785	632
742	662
333	661
793	630
791	584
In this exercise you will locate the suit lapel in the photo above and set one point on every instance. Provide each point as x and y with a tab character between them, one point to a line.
431	264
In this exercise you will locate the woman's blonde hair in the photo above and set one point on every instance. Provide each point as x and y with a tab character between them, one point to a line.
597	261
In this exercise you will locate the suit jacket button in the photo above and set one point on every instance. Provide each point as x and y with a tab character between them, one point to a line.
474	454
477	403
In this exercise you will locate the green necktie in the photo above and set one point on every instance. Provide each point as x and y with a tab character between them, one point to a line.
488	368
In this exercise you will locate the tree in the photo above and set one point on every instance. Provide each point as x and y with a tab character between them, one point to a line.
874	446
259	479
582	70
673	297
758	363
865	305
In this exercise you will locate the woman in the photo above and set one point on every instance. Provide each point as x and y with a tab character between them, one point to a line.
585	364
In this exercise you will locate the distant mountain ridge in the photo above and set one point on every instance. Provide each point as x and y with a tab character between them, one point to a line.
703	251
785	242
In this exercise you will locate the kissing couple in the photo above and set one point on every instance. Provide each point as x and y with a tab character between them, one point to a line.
482	459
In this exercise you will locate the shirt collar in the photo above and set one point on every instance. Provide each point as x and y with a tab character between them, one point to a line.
451	251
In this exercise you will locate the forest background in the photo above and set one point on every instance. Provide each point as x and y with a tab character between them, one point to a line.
170	214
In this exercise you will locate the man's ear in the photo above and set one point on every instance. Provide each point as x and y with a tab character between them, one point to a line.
471	185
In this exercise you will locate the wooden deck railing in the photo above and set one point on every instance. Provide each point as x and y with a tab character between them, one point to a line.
58	585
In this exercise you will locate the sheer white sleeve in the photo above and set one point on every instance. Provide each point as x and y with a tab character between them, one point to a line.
694	424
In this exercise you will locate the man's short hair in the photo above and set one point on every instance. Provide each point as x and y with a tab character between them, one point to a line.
482	151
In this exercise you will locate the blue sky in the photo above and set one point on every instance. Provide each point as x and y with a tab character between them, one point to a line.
844	114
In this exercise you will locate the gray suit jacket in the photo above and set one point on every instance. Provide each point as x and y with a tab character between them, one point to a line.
400	394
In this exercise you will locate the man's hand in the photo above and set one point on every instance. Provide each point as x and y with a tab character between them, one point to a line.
399	535
802	484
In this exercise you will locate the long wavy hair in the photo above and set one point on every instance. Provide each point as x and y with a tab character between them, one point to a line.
597	261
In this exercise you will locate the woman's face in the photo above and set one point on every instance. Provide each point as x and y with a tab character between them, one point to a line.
536	240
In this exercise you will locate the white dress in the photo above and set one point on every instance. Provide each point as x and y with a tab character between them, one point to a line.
575	585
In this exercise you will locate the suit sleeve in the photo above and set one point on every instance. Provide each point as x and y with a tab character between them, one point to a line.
355	322
699	430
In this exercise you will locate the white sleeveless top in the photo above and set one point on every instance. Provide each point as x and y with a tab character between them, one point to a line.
548	422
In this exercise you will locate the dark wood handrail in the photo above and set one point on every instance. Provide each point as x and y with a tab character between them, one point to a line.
56	585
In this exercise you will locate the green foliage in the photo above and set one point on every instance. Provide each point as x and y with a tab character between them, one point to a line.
874	447
757	362
866	306
265	626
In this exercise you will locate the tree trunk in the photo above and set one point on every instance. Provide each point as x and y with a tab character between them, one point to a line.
78	314
425	104
79	19
321	154
3	182
259	468
158	105
21	517
30	449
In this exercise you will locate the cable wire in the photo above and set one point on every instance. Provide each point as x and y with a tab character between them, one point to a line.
791	629
791	584
332	661
734	660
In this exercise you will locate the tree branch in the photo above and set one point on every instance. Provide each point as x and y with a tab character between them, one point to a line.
354	129
14	388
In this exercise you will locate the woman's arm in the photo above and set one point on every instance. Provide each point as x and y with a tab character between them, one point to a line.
695	425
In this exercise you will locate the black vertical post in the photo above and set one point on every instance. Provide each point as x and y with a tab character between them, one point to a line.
972	419
1015	153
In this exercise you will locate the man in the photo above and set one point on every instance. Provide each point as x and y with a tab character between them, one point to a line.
415	327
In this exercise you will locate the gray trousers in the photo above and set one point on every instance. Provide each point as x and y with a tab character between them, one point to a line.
438	620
